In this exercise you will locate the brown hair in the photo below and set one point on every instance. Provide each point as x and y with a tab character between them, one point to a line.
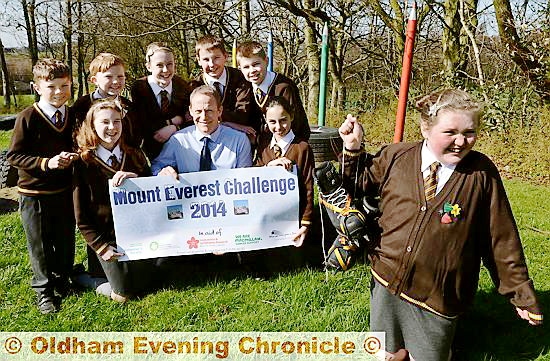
209	42
154	47
248	49
282	102
50	69
87	139
103	61
432	104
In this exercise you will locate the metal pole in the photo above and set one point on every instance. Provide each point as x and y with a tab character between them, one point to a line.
270	52
323	78
234	54
405	76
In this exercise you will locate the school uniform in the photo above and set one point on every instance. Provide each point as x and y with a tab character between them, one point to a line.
430	252
276	84
149	116
236	96
82	105
298	151
94	216
45	194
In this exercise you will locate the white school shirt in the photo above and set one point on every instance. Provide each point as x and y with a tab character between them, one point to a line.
444	172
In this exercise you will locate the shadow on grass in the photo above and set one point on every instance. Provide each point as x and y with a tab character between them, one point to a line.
493	329
199	270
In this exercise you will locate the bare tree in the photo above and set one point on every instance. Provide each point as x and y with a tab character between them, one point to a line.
5	77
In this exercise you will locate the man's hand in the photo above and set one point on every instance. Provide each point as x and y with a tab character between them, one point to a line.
170	171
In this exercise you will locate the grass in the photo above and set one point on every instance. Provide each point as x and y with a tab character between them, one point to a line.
23	101
305	300
301	300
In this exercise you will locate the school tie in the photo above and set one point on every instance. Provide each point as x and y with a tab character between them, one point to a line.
277	151
430	182
164	101
218	87
115	164
260	95
58	119
206	157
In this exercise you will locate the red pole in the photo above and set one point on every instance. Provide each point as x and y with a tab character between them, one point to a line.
405	76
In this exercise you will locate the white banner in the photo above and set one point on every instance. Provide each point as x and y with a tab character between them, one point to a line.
269	346
217	211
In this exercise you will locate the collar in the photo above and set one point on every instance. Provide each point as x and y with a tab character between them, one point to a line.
104	154
284	142
198	135
266	84
97	95
49	110
222	79
428	158
157	88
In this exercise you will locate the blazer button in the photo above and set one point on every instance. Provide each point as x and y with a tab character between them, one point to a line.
423	208
409	249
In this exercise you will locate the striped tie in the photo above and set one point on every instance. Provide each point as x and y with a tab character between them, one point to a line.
164	102
58	119
430	182
277	151
260	95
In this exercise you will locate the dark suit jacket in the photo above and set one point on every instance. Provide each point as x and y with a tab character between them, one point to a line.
149	116
236	100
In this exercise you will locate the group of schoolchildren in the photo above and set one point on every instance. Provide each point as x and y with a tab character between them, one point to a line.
66	155
443	206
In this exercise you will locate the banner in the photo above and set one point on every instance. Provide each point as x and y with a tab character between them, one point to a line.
229	210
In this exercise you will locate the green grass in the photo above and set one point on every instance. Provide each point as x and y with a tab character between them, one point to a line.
5	139
302	300
23	101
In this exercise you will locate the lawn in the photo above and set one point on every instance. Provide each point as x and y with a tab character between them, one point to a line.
303	300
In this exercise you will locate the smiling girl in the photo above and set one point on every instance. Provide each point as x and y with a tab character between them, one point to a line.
104	155
443	210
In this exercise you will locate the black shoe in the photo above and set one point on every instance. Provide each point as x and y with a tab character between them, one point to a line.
47	304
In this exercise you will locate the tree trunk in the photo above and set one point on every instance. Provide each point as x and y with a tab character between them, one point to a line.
30	23
313	67
520	54
244	17
81	70
5	77
69	43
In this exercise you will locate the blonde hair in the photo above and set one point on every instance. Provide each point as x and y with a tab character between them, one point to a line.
209	42
455	100
248	49
87	139
206	90
50	69
103	61
154	47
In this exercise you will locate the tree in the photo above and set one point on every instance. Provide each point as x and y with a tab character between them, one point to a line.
535	69
5	77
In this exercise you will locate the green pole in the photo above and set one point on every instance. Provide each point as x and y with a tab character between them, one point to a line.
323	78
